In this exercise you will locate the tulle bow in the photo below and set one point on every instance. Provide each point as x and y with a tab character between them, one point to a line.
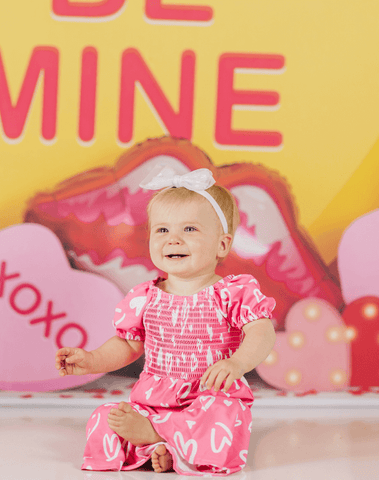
162	177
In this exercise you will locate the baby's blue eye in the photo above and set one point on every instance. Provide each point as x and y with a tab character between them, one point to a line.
162	230
190	229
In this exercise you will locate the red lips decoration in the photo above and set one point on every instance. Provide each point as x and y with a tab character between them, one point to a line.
100	218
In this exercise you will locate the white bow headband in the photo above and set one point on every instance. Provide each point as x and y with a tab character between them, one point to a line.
198	181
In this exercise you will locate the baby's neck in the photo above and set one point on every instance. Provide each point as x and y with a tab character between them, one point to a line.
187	286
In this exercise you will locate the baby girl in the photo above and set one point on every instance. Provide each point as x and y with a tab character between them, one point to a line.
190	408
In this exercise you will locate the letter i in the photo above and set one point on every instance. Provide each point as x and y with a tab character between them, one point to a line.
87	110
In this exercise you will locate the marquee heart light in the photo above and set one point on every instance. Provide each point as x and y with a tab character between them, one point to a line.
313	353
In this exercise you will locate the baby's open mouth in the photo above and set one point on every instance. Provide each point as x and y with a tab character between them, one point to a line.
176	255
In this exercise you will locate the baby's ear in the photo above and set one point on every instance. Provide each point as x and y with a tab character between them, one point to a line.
225	245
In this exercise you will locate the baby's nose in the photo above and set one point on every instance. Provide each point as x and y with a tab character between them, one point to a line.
174	239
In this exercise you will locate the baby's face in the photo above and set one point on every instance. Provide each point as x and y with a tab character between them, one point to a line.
186	240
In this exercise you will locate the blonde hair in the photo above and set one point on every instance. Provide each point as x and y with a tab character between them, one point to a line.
223	197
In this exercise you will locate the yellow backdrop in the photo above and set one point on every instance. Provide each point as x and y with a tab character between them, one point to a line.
327	112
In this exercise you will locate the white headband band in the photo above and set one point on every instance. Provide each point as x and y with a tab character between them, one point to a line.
198	181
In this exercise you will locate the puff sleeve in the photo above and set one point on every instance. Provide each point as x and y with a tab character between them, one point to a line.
243	302
128	317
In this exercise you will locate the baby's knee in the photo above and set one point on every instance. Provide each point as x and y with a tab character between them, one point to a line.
99	417
104	409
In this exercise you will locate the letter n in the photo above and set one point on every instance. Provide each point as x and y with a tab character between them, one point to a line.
135	70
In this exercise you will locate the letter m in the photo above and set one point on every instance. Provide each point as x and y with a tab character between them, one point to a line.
43	63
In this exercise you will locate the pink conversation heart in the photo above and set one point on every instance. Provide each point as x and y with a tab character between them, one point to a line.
313	353
45	304
358	258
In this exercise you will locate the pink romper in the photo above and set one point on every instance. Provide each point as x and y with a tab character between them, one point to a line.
207	432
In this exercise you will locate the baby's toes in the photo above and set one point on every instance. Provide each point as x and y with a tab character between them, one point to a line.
116	413
111	414
155	463
113	425
124	407
114	419
110	420
156	467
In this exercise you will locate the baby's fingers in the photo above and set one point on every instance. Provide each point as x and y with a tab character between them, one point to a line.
212	379
222	377
206	381
64	352
228	383
61	356
71	360
116	412
77	358
59	364
203	379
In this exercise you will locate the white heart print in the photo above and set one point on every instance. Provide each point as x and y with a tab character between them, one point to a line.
259	295
224	441
210	331
137	303
161	332
90	431
148	393
238	422
194	362
159	419
243	457
206	402
185	446
108	443
168	363
186	387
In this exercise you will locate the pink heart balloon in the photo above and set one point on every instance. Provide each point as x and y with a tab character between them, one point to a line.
358	258
45	304
314	351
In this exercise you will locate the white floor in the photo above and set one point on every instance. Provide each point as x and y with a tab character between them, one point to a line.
46	443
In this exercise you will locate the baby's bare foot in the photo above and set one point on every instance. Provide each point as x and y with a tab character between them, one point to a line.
161	459
132	426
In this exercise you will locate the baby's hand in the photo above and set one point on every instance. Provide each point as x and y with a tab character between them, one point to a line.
73	361
227	371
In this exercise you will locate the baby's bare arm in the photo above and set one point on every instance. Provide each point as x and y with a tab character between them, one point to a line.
258	342
112	355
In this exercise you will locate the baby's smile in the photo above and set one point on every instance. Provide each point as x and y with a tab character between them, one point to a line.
186	241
